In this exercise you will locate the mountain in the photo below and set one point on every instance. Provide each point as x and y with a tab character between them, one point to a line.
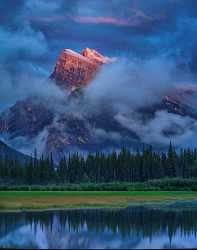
78	128
30	117
25	118
180	100
10	153
96	57
74	70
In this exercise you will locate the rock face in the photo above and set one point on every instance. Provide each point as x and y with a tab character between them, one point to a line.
25	118
74	70
96	57
182	101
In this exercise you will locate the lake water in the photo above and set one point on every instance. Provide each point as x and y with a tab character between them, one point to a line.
141	226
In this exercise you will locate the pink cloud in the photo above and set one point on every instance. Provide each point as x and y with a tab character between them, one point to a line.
138	19
101	20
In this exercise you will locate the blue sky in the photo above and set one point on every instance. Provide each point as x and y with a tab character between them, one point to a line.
34	32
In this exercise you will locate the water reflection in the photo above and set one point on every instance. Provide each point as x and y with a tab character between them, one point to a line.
134	227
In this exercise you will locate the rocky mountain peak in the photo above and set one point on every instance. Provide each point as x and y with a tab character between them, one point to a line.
75	70
96	57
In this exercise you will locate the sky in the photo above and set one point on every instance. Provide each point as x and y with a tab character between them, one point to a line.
34	32
160	35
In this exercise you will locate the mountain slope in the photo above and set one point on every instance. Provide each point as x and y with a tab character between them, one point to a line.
10	153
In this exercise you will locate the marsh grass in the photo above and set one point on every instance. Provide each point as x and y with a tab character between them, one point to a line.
24	200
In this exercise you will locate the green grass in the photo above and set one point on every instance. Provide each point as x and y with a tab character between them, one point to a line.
20	200
172	184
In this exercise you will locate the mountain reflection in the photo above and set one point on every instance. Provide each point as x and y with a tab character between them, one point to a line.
105	228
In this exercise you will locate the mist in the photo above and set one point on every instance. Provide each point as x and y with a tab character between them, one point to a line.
127	86
24	85
131	84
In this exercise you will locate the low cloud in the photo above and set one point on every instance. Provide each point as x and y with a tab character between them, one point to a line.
22	44
28	145
161	129
131	85
126	87
24	86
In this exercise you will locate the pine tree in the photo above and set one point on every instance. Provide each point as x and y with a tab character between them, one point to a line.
29	172
171	162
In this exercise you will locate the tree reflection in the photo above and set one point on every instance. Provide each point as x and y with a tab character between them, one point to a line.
139	220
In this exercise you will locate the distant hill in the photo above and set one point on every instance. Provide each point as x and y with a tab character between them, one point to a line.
10	153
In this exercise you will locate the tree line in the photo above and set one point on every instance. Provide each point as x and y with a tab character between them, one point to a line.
122	166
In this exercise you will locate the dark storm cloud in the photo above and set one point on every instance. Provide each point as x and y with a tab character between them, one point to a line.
138	28
20	43
10	12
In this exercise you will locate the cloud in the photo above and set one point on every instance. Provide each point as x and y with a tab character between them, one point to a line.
11	12
22	44
126	88
139	28
26	85
101	20
42	6
127	84
132	24
162	128
28	145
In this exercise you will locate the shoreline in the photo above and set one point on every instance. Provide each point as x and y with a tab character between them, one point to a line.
158	204
20	201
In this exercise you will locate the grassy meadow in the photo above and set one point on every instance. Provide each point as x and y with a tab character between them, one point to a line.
32	200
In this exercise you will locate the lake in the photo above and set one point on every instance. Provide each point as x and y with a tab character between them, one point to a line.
141	226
